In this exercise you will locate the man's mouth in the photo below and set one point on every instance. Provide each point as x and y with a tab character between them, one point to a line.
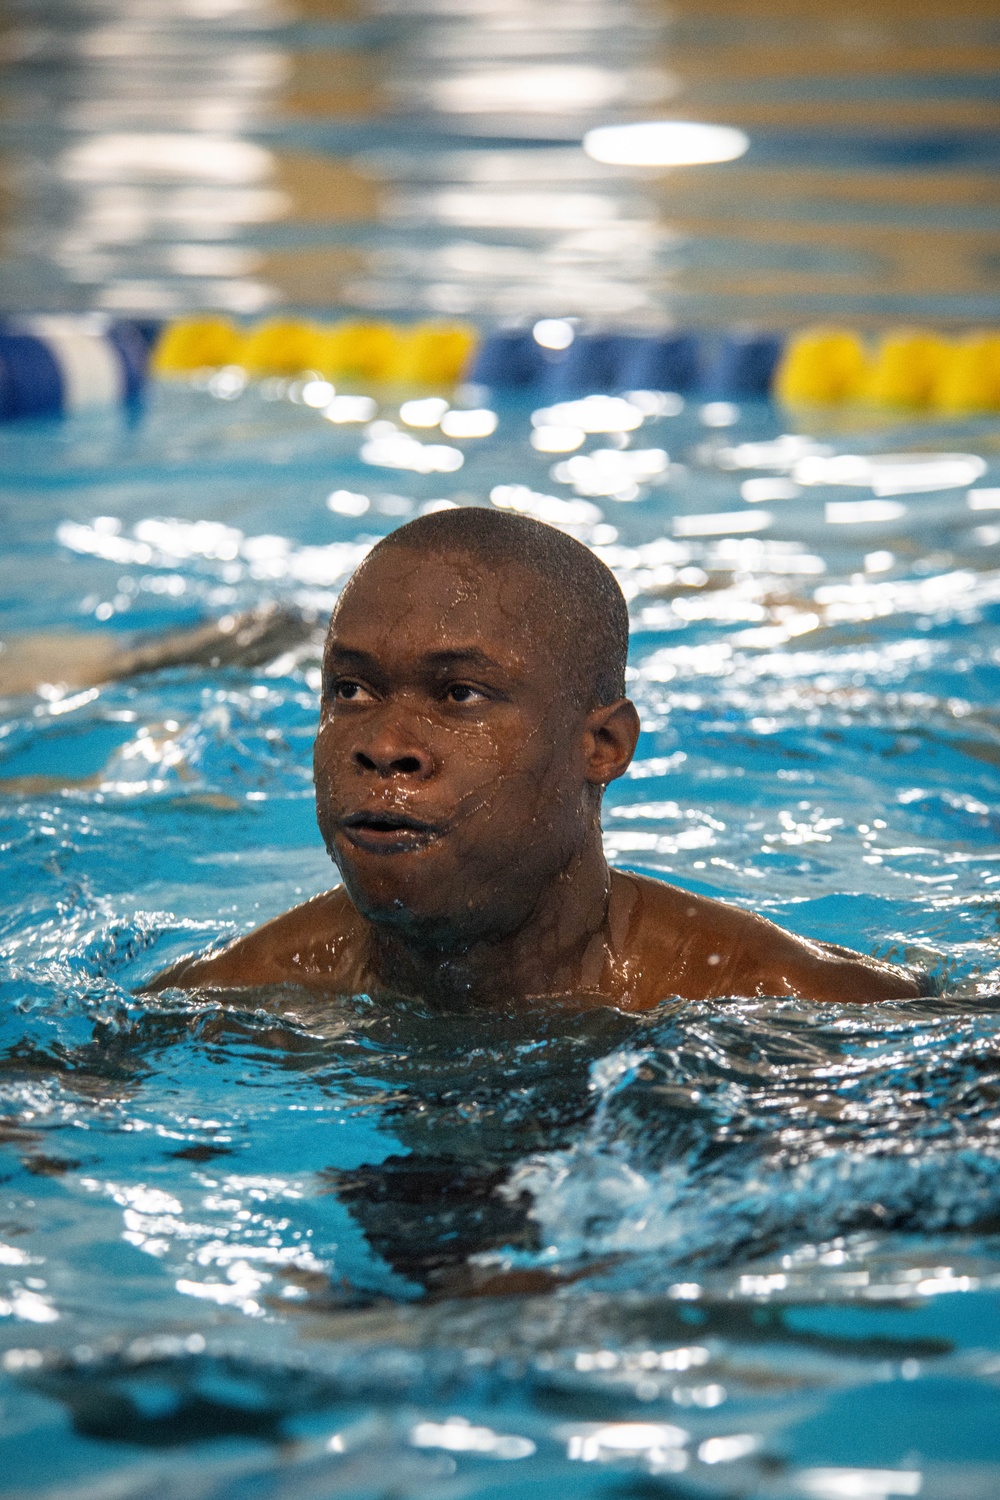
388	832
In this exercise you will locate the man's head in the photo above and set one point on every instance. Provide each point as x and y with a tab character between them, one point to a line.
473	712
573	596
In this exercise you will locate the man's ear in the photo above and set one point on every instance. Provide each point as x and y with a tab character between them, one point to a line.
610	737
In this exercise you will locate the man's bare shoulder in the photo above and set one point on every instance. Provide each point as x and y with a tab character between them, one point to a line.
700	948
314	944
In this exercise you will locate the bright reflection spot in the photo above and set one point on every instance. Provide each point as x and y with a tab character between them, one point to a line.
148	1200
601	1359
317	393
239	1290
782	453
754	491
648	1359
459	1436
541	89
212	260
58	703
722	523
719	414
866	600
345	503
391	449
592	414
477	423
659	1443
22	1359
945	1281
664	143
29	1307
879	562
862	512
548	508
617	842
483	209
144	295
228	383
553	333
350	409
723	1450
82	538
611	471
984	499
144	157
557	439
165	543
427	412
701	1395
859	1484
892	473
184	539
656	403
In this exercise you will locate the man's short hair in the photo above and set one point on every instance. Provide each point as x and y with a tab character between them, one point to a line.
580	594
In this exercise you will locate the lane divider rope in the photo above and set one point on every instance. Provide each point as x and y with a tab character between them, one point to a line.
58	365
916	369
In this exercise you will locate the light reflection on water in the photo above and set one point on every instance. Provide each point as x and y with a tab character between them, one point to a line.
746	1248
240	157
279	153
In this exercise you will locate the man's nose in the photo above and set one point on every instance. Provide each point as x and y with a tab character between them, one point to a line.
391	748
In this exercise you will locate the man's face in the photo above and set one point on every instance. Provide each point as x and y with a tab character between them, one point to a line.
449	764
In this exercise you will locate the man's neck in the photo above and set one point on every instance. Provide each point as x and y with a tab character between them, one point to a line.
560	949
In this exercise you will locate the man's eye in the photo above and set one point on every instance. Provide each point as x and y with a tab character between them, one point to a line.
463	692
346	691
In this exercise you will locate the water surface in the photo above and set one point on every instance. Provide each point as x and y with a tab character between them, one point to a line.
303	1248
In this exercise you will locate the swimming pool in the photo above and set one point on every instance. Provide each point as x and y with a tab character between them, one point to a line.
738	1249
744	1250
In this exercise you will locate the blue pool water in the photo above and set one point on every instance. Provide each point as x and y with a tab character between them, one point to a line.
298	1250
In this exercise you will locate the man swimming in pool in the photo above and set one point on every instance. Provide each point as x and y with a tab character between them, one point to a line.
473	712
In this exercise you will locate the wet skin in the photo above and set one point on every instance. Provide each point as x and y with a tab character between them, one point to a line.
459	775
